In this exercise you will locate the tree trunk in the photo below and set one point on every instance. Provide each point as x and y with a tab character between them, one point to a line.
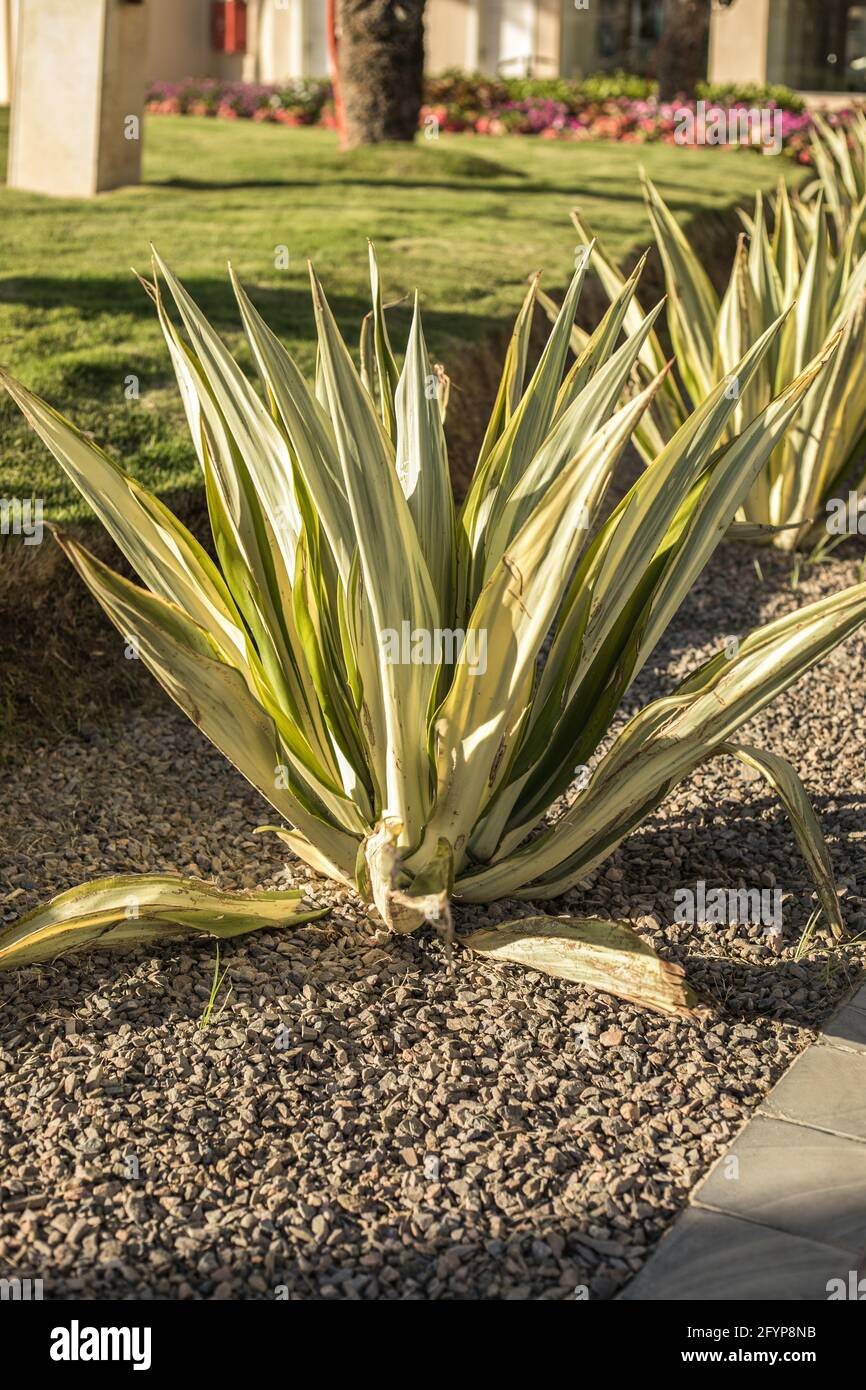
381	57
681	54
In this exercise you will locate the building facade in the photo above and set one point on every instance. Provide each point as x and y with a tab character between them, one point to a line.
287	38
812	45
283	38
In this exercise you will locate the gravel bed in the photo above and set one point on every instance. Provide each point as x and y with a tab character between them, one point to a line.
359	1122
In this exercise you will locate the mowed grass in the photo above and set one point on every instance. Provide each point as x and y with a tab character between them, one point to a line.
466	220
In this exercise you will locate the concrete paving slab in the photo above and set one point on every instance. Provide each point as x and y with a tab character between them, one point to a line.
793	1217
847	1029
825	1089
793	1179
711	1257
859	1000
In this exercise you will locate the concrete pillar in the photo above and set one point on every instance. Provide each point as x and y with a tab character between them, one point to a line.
8	27
252	59
79	96
548	39
579	55
280	42
739	39
451	35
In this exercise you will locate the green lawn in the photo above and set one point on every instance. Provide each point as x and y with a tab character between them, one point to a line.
466	220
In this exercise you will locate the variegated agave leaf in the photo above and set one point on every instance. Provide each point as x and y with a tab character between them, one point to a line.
822	292
135	908
839	159
609	956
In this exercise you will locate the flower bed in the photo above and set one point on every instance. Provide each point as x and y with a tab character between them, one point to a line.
301	102
607	107
635	122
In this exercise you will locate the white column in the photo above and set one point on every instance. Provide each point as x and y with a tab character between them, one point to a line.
295	63
739	41
473	34
251	63
282	39
316	40
8	30
79	96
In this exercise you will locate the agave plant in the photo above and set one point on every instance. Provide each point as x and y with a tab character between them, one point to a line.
327	651
791	273
839	159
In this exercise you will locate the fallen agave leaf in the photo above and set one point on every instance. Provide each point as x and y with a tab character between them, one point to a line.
609	956
132	908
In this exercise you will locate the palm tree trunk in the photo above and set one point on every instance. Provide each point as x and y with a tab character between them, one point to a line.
381	55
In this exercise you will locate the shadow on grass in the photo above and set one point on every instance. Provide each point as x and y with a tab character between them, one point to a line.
287	309
388	165
576	192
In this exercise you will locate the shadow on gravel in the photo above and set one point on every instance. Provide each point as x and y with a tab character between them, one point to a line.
843	812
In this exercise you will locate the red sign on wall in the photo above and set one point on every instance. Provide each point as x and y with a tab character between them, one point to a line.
228	26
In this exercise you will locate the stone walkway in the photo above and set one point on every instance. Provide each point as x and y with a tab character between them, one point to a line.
783	1212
